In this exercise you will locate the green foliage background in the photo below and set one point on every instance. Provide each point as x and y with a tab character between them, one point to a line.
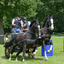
32	9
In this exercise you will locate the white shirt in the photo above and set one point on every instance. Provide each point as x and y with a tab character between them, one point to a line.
16	19
29	23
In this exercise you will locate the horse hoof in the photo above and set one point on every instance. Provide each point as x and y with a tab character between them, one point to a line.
23	61
46	59
33	58
16	60
48	51
34	53
9	59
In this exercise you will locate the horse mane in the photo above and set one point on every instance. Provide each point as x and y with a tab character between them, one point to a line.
45	21
32	22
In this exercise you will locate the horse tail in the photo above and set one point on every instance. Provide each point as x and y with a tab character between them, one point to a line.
9	43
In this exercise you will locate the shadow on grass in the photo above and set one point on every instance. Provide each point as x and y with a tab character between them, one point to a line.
1	43
3	57
61	51
20	58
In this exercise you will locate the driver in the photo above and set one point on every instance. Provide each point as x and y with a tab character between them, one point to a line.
16	24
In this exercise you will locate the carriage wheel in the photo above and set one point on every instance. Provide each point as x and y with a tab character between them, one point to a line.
7	54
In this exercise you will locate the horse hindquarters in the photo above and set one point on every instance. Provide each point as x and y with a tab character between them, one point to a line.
9	43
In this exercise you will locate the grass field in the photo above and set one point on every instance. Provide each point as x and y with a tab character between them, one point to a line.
57	58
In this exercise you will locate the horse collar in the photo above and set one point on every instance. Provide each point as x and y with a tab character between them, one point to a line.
31	32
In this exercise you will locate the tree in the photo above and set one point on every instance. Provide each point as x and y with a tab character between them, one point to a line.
51	7
10	9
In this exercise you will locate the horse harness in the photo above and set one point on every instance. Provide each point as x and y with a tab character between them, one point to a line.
28	32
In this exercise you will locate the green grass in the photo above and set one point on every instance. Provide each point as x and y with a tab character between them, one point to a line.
57	58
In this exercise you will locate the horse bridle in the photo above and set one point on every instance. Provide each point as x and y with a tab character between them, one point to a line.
50	24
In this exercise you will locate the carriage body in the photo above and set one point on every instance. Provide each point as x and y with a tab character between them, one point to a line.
8	49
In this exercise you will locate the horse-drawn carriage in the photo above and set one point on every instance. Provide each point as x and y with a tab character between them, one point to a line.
14	39
31	39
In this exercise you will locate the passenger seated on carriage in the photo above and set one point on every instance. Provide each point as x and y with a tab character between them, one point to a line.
29	23
25	25
16	24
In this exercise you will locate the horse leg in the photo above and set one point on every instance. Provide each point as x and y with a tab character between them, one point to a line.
10	57
12	52
33	53
24	49
18	54
27	51
50	47
44	50
35	49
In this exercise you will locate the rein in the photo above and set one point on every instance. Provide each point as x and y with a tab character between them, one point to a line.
27	40
46	35
31	32
28	32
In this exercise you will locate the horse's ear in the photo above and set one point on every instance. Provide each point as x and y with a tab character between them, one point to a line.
32	22
49	15
39	22
30	25
45	21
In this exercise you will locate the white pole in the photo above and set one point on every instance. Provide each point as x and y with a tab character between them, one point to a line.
63	44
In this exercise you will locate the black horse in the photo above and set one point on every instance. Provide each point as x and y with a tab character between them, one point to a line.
45	33
45	37
30	34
